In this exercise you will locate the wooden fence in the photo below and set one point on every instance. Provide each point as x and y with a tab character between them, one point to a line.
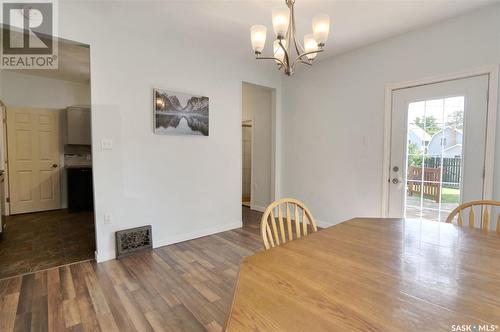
451	169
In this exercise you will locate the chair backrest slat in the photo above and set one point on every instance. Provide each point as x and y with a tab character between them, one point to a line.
297	223
282	229
304	222
274	235
288	222
484	216
275	231
486	219
269	235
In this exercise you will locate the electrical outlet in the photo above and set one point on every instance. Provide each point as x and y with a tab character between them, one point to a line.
107	218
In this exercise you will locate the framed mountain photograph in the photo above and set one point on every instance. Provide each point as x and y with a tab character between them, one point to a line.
178	113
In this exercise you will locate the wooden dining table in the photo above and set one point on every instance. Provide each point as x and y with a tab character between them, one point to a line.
373	274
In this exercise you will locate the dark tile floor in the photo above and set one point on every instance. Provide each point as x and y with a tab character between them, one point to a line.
37	241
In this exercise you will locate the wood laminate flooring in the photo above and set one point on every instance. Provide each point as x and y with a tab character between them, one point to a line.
182	287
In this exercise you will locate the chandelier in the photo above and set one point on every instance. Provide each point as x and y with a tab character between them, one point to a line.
286	40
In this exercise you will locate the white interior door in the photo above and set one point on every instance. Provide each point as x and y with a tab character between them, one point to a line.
438	141
33	157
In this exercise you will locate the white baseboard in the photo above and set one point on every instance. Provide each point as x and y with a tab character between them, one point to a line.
196	234
320	223
326	224
104	256
177	238
258	208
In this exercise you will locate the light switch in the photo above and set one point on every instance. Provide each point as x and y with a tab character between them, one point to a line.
106	144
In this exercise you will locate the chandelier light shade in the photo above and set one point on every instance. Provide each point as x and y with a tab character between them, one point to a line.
310	45
321	28
281	16
286	40
258	35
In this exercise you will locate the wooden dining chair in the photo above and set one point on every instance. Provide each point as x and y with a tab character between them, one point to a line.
484	216
285	220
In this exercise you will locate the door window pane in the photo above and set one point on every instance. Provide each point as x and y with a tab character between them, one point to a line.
434	157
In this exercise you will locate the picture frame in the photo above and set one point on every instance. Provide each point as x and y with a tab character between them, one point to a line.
180	113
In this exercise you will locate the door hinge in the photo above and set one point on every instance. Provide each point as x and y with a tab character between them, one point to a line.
484	172
7	199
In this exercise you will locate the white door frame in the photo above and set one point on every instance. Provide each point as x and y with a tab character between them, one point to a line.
492	72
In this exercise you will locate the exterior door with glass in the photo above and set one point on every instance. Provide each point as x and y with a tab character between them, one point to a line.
438	142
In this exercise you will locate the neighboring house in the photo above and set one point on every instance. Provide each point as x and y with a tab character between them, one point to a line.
449	140
418	137
453	151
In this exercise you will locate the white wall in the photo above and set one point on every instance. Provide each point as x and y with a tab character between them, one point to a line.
23	90
258	106
183	186
333	113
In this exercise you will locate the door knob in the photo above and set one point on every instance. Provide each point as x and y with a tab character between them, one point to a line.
54	165
395	168
395	181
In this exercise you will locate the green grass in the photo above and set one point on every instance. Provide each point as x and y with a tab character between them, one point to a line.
450	195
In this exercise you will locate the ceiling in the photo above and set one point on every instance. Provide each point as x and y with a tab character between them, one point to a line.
225	25
353	23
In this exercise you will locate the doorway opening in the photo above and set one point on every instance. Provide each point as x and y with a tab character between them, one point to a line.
47	196
258	111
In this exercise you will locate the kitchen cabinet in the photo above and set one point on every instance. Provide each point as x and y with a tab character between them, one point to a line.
78	126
